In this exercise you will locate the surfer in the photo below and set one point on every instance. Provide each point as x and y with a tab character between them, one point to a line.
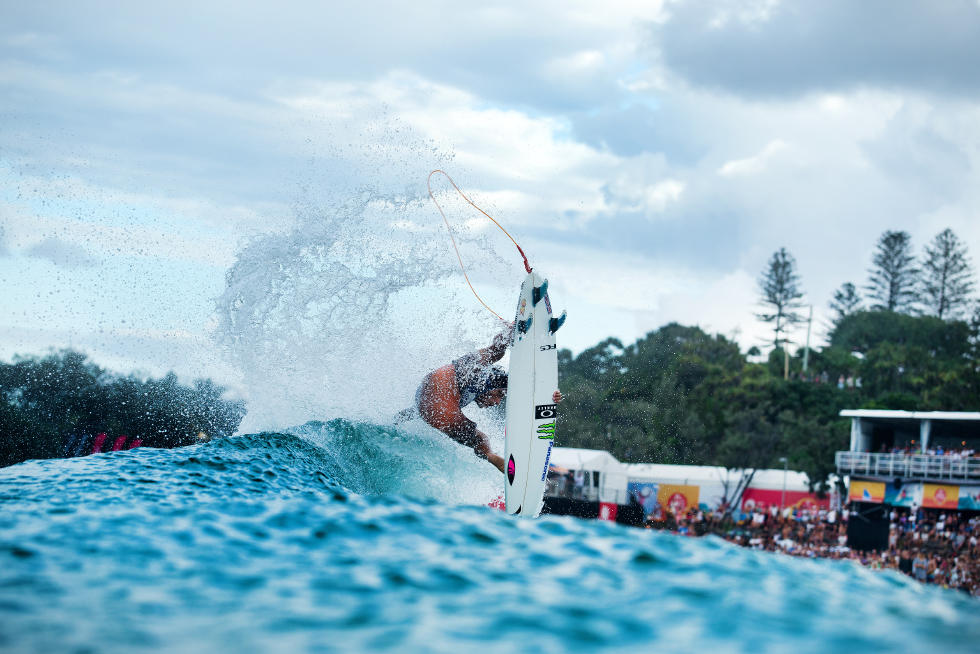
470	378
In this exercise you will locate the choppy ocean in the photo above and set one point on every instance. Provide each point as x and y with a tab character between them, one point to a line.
350	537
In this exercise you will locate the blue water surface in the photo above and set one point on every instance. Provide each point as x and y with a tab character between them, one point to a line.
331	539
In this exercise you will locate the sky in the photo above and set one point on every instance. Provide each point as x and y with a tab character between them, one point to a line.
649	156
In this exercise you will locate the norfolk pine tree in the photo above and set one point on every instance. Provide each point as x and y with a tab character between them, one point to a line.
846	301
893	276
780	286
947	276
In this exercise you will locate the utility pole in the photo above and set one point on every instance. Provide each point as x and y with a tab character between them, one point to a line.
806	352
782	498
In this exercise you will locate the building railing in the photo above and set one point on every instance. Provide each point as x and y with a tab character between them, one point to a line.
908	466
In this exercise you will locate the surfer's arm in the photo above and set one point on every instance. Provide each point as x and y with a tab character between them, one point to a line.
483	451
464	432
495	351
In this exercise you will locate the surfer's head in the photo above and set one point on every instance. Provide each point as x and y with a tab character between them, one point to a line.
494	388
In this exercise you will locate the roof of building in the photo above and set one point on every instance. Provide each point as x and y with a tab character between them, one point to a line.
577	458
910	415
698	475
583	459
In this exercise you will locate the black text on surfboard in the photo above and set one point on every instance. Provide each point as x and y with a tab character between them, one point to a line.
545	411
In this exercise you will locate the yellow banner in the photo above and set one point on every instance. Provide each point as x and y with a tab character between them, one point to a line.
867	491
940	496
678	499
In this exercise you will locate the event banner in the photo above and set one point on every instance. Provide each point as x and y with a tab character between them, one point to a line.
678	498
867	491
762	499
970	498
907	495
940	496
645	494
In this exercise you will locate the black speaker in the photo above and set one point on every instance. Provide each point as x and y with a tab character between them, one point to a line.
867	527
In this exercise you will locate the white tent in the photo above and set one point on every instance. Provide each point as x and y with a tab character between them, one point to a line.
612	473
575	458
705	475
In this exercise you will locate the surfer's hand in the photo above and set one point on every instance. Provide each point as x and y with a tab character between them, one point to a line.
557	397
503	338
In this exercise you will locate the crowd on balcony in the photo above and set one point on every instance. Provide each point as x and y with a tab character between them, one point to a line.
954	454
929	545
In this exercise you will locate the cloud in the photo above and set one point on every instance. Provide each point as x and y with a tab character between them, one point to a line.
754	164
62	253
793	47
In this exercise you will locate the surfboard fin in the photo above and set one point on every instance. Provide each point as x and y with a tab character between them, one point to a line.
524	325
538	293
555	323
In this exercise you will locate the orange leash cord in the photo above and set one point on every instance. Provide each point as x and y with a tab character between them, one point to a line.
527	266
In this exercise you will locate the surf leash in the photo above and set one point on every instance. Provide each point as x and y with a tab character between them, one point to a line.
527	266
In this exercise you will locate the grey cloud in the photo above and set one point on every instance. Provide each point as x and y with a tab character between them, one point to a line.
637	129
802	46
916	155
238	50
62	253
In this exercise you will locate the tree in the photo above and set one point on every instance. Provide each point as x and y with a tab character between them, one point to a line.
947	276
892	280
47	403
780	286
846	301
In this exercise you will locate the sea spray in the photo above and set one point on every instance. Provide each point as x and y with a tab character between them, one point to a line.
344	313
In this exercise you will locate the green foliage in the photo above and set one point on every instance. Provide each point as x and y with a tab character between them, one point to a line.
45	401
680	395
846	301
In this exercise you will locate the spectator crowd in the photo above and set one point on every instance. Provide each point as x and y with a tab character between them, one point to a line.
929	545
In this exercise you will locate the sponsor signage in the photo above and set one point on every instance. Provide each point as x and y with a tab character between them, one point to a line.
545	411
678	498
940	496
907	495
867	491
969	498
607	511
761	499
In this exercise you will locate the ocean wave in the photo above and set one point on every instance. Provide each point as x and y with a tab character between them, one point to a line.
339	536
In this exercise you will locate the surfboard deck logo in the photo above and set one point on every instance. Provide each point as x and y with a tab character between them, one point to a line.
511	469
545	411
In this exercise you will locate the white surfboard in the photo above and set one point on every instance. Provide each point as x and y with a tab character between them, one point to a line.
531	411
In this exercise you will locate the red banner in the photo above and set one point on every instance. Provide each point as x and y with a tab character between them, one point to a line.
761	499
607	511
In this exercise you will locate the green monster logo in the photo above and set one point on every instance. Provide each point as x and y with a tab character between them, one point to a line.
546	431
